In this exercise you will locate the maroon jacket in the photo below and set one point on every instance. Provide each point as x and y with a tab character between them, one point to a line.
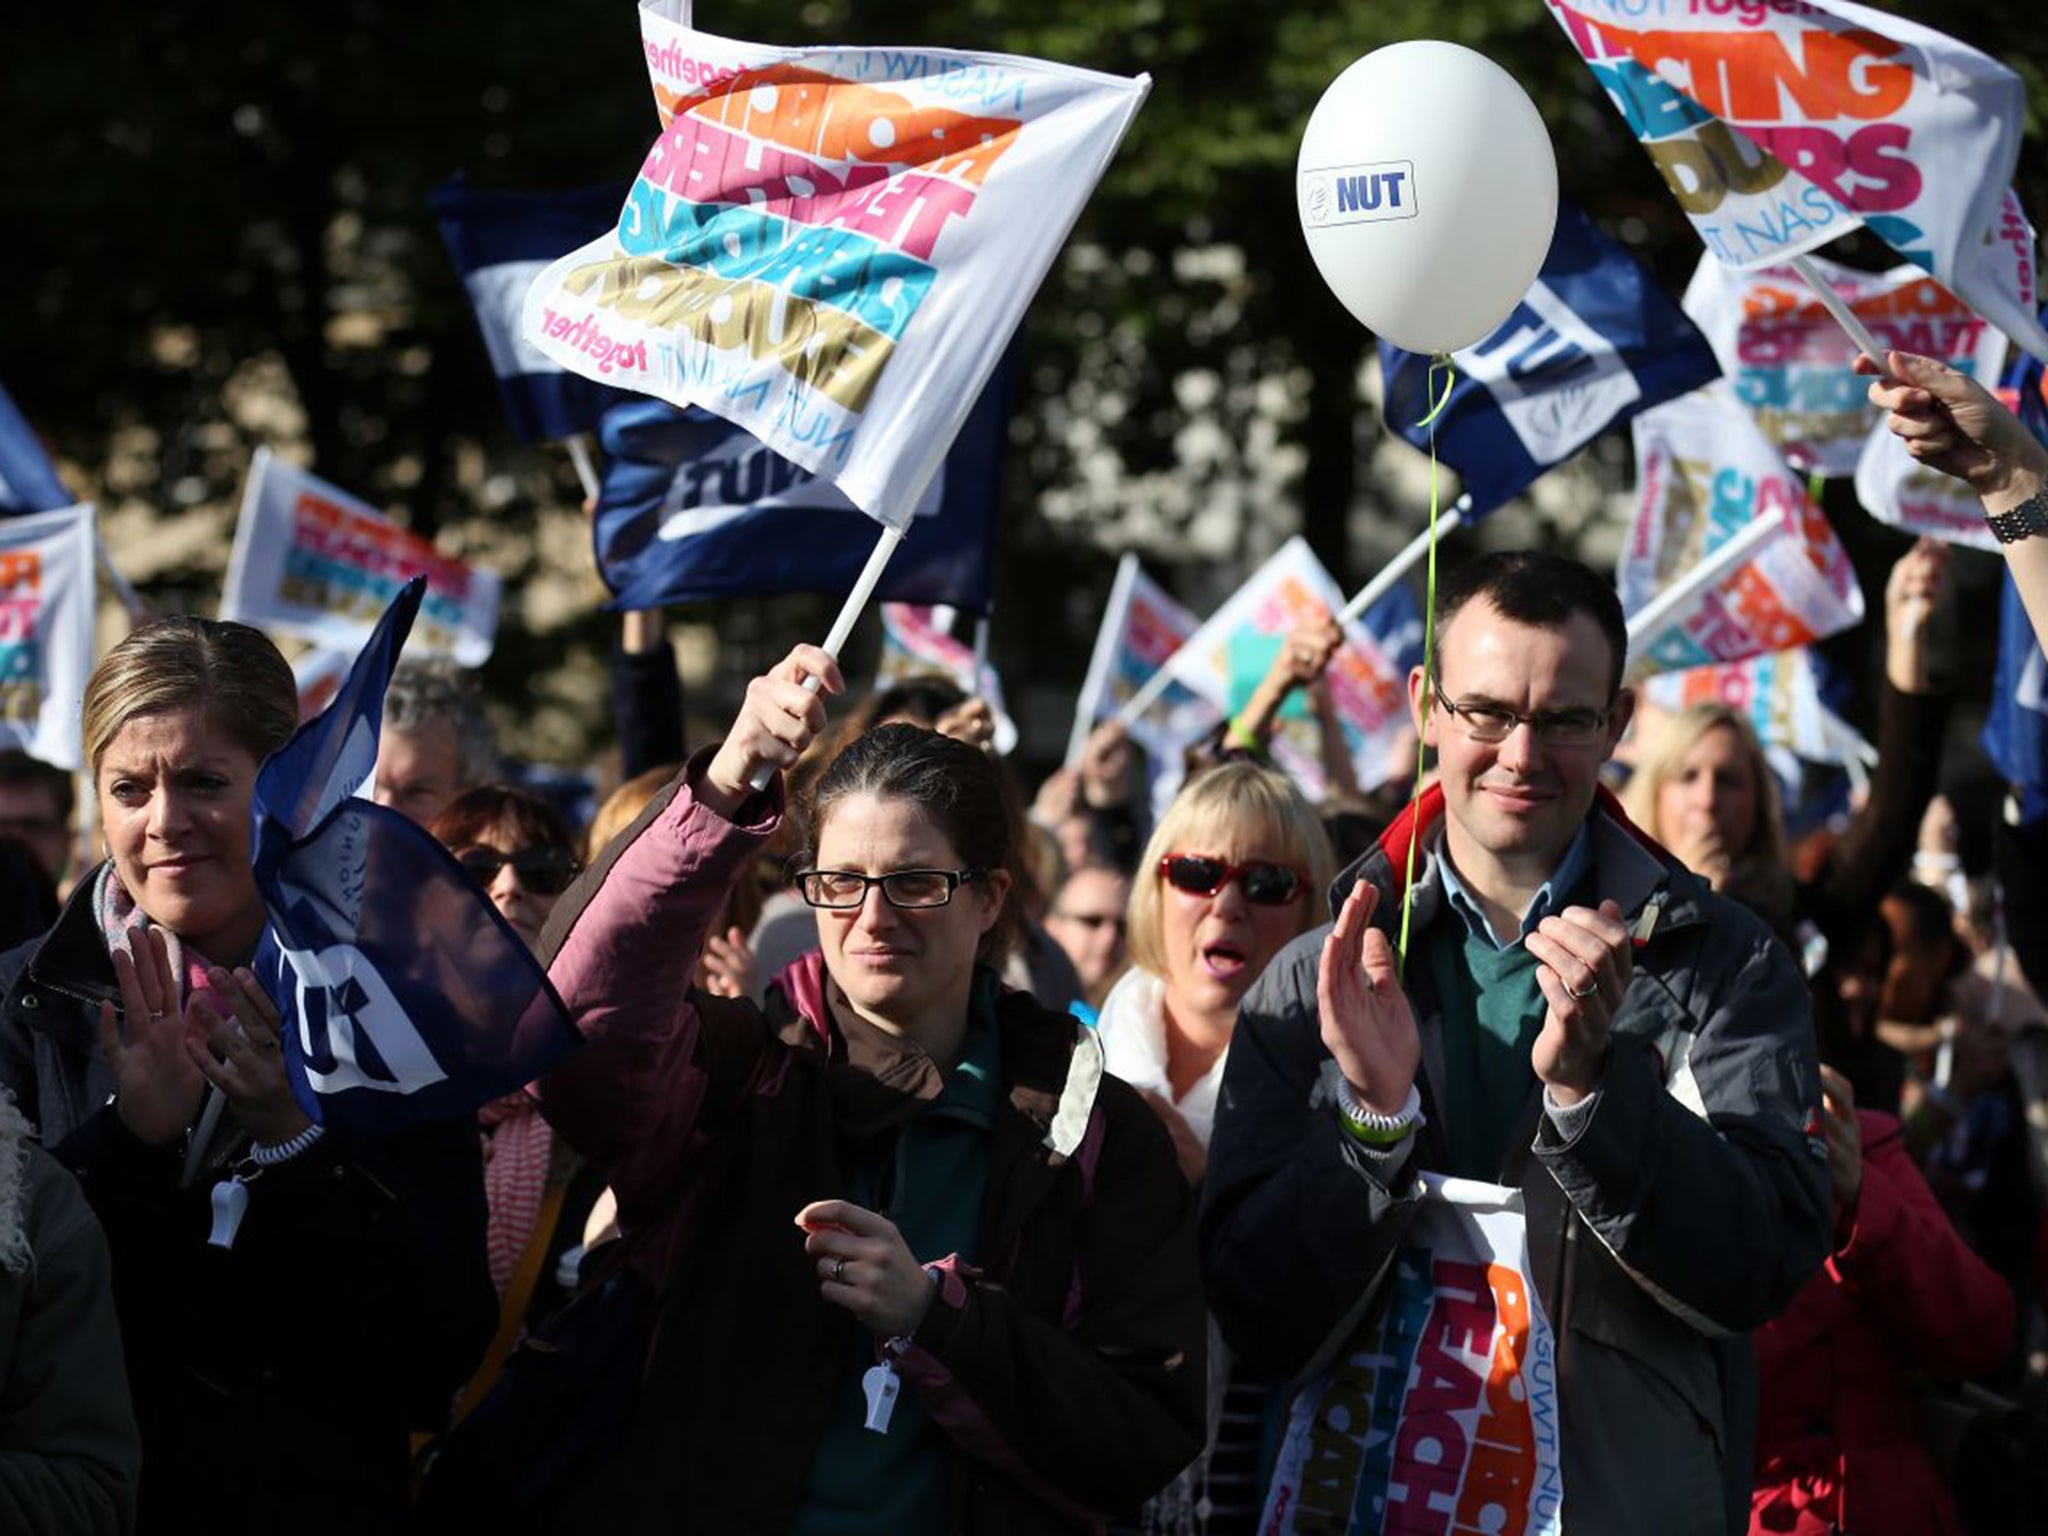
1067	1369
1839	1446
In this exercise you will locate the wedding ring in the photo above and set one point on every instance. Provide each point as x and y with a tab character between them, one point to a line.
1591	988
839	1272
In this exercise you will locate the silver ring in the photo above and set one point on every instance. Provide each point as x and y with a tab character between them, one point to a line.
1577	996
157	1017
839	1272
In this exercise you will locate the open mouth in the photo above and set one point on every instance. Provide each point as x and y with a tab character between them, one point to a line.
1225	961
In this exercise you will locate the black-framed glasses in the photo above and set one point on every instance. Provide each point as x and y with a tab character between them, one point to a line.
841	890
1264	884
1495	723
544	871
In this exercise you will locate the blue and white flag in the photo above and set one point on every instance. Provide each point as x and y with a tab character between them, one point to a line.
2016	728
28	480
500	241
406	996
1595	341
694	507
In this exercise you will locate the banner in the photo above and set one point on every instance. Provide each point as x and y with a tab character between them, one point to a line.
46	614
830	247
500	241
1780	695
1595	341
2015	735
28	480
405	995
917	640
693	507
1780	127
1367	680
1705	475
1897	489
1440	1413
312	561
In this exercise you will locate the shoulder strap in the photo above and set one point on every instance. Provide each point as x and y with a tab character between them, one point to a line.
518	1296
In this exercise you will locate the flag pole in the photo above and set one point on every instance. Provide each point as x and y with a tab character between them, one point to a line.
586	466
129	597
1708	572
1844	316
1402	563
849	613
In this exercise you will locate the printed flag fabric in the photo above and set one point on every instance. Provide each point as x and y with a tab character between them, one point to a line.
28	480
312	561
1367	679
1704	475
46	631
1780	127
500	241
831	246
2015	734
1790	362
406	996
918	639
1440	1412
1595	341
1779	694
693	507
1897	489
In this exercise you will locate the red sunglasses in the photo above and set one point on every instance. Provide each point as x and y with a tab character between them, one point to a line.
1264	884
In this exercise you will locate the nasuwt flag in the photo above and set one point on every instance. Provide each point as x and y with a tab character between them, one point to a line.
1779	694
311	561
406	996
1367	680
1780	127
1593	342
46	615
28	480
500	241
1792	365
1897	489
1704	476
831	246
918	639
693	507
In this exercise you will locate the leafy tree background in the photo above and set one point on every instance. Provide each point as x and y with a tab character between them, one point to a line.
220	238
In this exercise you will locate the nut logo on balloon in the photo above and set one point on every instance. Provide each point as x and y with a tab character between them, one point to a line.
1359	194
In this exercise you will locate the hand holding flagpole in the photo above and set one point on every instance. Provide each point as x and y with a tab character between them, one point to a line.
782	716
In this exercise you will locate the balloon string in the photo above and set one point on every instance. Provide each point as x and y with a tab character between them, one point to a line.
1441	363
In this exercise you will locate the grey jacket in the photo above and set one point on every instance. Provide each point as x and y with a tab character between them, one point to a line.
1682	1211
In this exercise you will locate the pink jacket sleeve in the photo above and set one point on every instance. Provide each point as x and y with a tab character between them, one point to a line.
622	948
1950	1311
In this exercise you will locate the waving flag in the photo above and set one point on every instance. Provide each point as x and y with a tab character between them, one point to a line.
46	618
1779	694
917	638
693	507
1595	341
831	246
500	241
28	480
2016	728
1780	127
1708	483
406	996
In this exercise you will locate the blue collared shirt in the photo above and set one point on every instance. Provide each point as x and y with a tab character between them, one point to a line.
1571	869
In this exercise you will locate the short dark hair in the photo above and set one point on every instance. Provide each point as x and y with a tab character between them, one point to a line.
1540	589
532	822
958	786
18	770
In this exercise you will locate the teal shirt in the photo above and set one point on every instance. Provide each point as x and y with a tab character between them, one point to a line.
929	1178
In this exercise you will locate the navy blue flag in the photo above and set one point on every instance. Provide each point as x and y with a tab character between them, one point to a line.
2016	729
28	480
1595	342
499	242
694	507
406	996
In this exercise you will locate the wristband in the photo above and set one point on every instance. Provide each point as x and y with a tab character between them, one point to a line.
266	1156
1373	1128
2022	522
1240	736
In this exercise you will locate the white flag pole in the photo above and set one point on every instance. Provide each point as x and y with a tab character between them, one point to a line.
1709	572
849	614
130	598
1404	562
586	466
1844	316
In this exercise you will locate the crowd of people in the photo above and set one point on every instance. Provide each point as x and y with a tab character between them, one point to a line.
939	1157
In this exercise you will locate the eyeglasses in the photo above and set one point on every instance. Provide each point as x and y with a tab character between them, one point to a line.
544	871
1492	723
1264	884
841	890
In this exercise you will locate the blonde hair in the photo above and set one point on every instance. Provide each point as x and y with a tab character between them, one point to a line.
1760	873
622	806
1232	807
228	670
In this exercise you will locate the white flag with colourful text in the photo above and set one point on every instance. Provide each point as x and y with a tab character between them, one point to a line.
46	617
918	639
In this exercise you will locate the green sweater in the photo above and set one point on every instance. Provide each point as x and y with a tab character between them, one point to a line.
1492	1012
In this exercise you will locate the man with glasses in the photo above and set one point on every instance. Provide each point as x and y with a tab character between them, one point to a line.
1087	921
1577	1017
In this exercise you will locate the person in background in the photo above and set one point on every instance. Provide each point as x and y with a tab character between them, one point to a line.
36	804
293	1299
435	741
1087	919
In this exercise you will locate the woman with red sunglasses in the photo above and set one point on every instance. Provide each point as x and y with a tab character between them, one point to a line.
1235	870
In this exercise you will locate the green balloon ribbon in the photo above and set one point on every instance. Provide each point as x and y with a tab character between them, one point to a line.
1440	364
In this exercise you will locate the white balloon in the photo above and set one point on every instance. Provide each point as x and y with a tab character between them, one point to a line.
1427	189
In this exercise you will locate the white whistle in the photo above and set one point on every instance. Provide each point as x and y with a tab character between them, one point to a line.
230	1205
881	1385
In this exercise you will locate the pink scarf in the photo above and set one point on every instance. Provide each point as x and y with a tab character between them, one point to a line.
122	924
515	1178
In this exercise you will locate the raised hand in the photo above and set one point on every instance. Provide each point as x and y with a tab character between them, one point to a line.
244	1057
157	1089
1367	1024
971	721
1585	960
1951	422
865	1266
726	968
782	715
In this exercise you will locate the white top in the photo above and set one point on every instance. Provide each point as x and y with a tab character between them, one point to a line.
1133	1033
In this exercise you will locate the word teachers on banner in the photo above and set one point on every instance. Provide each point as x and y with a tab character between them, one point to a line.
312	561
46	619
407	996
831	246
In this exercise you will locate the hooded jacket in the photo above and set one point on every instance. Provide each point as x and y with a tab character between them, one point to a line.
1065	1368
1684	1210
